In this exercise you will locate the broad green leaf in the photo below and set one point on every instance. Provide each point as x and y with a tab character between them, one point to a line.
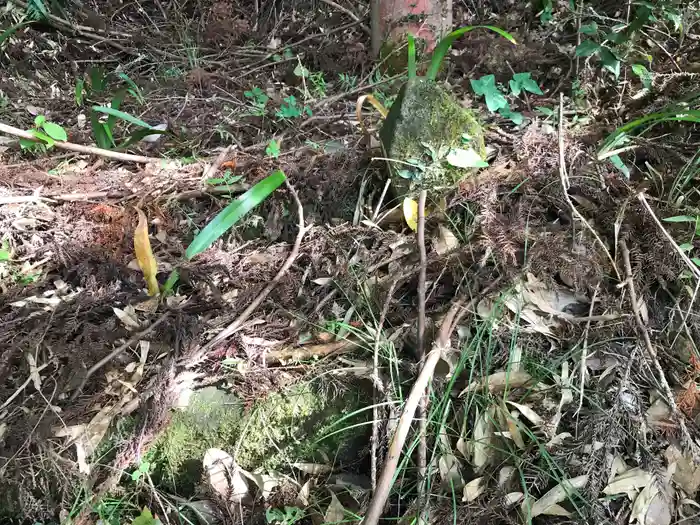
589	29
610	61
146	518
27	144
621	166
411	68
686	246
121	115
486	86
135	91
43	137
79	89
681	218
524	82
695	260
547	112
514	116
232	213
644	75
115	104
55	131
273	149
587	48
444	45
39	120
98	132
301	71
465	158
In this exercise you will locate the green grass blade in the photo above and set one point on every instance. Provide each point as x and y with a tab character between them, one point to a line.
411	56
115	105
444	46
649	121
121	115
98	132
232	213
7	33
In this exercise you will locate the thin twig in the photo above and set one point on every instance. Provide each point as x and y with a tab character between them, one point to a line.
118	351
423	405
651	352
565	186
381	199
584	350
214	166
349	13
381	495
378	386
243	317
21	388
79	148
360	89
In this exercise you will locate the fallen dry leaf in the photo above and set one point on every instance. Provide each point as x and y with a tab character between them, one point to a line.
684	472
529	414
449	468
144	254
265	482
559	493
314	469
499	381
512	498
410	213
473	490
483	433
335	512
445	242
629	482
224	476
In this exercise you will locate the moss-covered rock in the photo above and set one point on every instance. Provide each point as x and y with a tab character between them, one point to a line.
426	116
278	430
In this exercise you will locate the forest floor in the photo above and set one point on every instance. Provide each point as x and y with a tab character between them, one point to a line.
569	391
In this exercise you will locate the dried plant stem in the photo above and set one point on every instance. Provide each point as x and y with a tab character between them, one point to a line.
423	405
386	478
378	385
79	148
243	317
565	186
652	355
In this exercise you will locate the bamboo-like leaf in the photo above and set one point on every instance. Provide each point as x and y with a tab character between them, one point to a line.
121	115
444	46
232	213
411	68
144	254
7	33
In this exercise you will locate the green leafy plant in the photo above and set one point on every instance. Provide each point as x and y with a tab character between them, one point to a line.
143	470
288	516
695	221
98	86
291	109
227	179
257	100
436	160
226	219
347	82
46	132
495	97
273	149
146	518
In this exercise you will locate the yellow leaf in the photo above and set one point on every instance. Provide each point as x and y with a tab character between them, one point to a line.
144	254
410	213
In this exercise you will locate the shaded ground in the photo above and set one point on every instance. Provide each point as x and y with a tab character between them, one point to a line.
587	396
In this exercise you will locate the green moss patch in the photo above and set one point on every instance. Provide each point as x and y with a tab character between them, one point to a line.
425	114
299	424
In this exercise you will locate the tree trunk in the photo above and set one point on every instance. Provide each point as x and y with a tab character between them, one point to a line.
426	19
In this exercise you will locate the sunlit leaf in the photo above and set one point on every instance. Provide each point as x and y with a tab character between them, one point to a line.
589	29
681	218
465	158
410	213
144	254
486	86
232	213
444	45
121	115
55	131
411	68
587	48
610	61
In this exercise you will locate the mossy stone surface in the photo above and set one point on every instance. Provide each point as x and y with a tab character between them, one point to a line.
426	113
278	430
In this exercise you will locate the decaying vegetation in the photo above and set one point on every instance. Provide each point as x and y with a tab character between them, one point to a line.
228	295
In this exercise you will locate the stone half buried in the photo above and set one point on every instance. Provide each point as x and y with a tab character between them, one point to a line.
426	116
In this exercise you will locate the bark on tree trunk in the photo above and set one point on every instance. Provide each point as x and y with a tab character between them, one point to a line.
426	19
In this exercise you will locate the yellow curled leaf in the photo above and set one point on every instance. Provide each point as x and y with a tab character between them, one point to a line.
372	100
144	254
410	213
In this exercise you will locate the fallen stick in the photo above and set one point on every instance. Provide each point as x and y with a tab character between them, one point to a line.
300	353
79	148
423	404
442	342
243	317
687	440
